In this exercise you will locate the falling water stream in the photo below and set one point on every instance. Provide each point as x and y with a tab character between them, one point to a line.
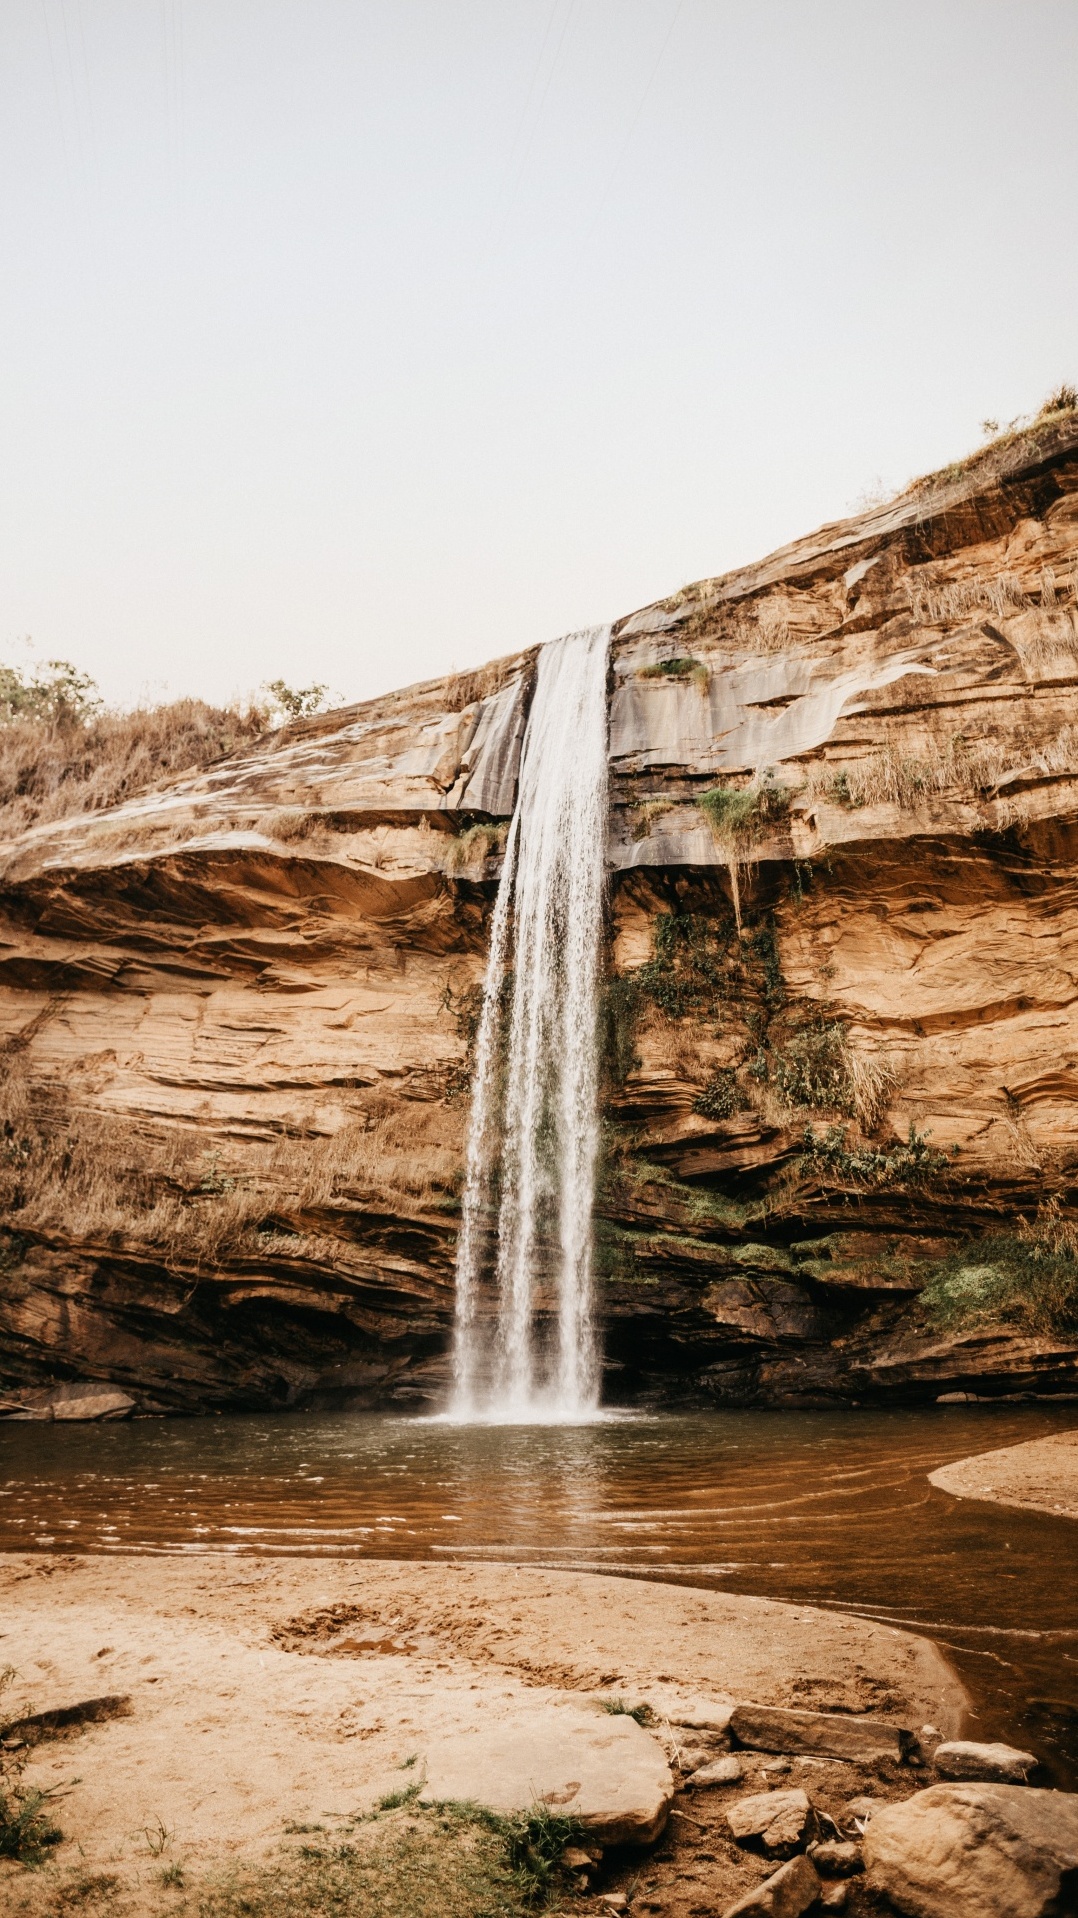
524	1344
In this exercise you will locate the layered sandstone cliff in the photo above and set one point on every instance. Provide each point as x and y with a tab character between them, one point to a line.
236	1011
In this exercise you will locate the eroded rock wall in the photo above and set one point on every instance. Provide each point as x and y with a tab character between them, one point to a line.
236	1011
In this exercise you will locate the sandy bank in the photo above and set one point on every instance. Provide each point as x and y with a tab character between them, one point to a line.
273	1690
1041	1475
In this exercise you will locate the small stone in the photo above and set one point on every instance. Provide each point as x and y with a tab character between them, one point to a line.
792	1889
835	1896
862	1809
779	1819
777	1768
722	1771
997	1764
836	1858
976	1851
574	1859
693	1757
614	1901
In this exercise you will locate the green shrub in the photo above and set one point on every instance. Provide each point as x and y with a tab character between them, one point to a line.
26	1829
722	1096
682	667
1026	1279
813	1067
914	1163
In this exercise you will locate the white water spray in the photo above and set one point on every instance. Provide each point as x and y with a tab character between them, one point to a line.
525	1346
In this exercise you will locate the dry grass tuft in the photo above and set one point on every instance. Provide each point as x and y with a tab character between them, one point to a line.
51	768
470	849
960	768
464	689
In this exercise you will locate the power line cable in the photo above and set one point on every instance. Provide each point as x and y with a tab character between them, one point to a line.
633	124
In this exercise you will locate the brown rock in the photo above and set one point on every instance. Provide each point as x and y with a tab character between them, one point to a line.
829	1734
605	1773
778	1819
792	1889
976	1851
998	1764
720	1771
836	1858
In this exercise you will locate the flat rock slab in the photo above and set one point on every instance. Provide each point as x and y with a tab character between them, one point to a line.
792	1889
779	1819
769	1728
996	1764
1041	1475
606	1773
976	1851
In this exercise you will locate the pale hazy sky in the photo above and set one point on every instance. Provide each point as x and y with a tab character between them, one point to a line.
356	339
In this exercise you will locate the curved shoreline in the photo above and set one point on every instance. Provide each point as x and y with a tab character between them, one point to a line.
265	1690
1040	1475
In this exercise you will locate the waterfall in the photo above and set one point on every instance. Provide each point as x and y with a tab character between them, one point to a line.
525	1345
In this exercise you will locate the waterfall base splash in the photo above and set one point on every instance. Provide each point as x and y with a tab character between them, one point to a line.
525	1349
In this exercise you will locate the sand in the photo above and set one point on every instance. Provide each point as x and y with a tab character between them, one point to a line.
1041	1475
271	1690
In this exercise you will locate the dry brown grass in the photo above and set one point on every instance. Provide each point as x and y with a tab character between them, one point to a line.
464	689
98	1179
469	850
957	769
50	769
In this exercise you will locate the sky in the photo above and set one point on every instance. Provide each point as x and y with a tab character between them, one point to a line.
353	341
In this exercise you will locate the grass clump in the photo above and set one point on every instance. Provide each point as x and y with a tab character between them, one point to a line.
722	1096
441	1861
26	1827
739	817
912	1164
813	1067
682	666
1026	1279
621	1708
475	844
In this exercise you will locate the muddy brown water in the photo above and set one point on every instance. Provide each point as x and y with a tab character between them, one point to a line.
830	1508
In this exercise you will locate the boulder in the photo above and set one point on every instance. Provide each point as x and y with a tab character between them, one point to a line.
792	1889
721	1771
976	1851
779	1820
79	1399
604	1772
770	1728
997	1764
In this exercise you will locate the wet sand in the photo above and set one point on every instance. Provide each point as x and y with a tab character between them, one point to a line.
266	1691
1039	1476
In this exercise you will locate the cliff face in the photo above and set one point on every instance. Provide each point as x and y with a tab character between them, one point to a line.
236	1011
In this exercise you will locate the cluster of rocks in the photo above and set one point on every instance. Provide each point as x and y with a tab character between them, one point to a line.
982	1842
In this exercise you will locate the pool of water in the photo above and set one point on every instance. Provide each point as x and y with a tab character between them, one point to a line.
833	1508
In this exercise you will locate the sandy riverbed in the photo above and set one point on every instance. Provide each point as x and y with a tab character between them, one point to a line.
1041	1475
270	1690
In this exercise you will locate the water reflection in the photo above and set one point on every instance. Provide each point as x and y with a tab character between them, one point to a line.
827	1507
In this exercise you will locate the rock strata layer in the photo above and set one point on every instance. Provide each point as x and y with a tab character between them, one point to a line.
841	1025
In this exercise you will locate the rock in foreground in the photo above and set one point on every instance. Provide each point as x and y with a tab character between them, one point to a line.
607	1774
829	1734
778	1819
792	1889
977	1851
962	1758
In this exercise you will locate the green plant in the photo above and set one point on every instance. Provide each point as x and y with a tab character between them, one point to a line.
173	1876
26	1827
620	1708
404	1795
157	1838
722	1096
55	692
812	1068
475	844
1026	1278
913	1163
683	666
739	816
295	702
